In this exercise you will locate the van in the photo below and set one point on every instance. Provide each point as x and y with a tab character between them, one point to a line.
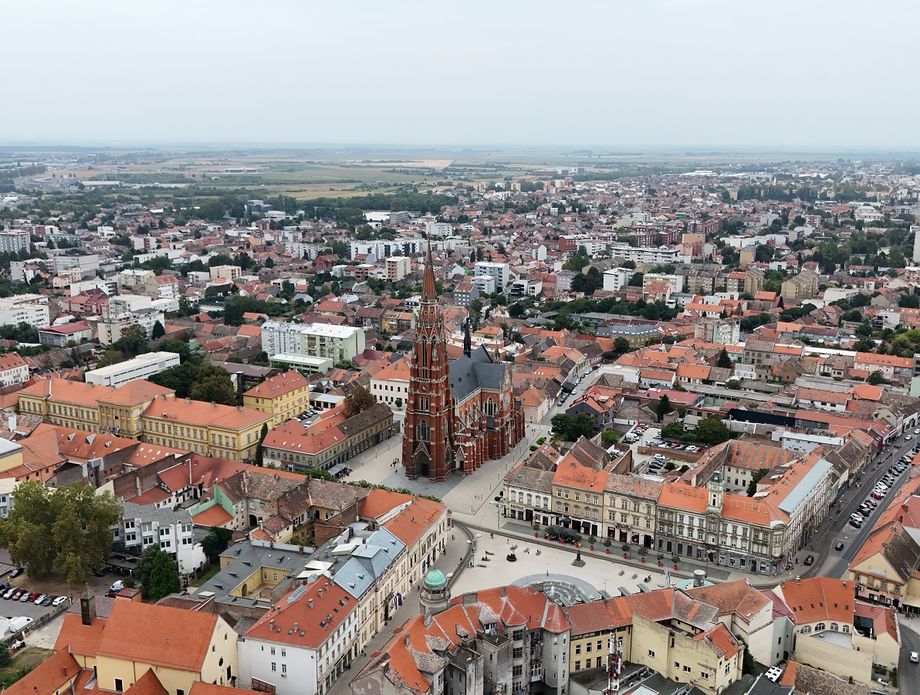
117	586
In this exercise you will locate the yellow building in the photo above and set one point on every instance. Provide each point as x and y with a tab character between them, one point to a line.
282	397
667	630
149	412
10	455
223	431
178	647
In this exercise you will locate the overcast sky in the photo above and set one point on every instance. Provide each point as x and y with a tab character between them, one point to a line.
772	73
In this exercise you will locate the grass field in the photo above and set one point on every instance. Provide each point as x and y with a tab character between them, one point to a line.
211	571
24	661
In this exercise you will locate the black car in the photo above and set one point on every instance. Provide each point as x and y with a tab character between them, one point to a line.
809	559
838	545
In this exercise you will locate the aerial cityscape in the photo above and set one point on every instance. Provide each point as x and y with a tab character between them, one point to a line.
597	374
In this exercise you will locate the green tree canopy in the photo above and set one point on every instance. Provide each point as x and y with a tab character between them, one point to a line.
663	407
215	542
213	384
158	573
158	331
723	360
573	427
67	528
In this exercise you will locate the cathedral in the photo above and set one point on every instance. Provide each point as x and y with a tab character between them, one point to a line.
460	412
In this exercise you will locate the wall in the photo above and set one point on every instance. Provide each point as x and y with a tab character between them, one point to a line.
841	661
255	659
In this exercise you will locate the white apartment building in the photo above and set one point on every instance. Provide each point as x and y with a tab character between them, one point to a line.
140	367
439	229
617	278
647	255
226	272
142	526
88	263
25	308
129	310
485	284
383	248
13	369
337	343
499	272
397	267
15	241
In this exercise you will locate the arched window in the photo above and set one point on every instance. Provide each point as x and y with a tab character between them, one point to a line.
820	627
846	629
806	630
835	627
422	431
490	407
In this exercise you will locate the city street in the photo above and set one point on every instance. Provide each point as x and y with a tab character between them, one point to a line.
908	673
837	526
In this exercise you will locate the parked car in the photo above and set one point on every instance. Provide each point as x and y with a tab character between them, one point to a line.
58	601
838	545
855	523
47	600
24	597
9	592
809	559
38	599
914	658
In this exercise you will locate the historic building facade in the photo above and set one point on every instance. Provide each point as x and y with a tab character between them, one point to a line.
459	413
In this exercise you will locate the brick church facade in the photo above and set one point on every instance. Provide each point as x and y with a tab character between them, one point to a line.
459	413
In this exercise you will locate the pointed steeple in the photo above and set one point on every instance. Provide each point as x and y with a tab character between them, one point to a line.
429	293
467	339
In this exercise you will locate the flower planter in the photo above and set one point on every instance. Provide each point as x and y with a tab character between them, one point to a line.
675	565
607	551
659	563
590	547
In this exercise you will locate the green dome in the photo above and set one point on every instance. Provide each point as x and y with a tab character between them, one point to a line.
435	579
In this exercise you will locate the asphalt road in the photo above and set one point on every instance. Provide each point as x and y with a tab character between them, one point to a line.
837	526
908	673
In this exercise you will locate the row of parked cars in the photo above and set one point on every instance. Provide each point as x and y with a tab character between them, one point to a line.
881	489
14	593
677	446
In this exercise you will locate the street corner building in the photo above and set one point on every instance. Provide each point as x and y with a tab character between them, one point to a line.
460	413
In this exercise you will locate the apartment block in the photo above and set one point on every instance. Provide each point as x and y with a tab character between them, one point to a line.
323	340
25	308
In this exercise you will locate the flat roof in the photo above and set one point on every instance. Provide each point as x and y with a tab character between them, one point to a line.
139	361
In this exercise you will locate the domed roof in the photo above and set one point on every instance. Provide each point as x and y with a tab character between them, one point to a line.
435	579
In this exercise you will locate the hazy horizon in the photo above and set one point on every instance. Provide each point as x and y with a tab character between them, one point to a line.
663	75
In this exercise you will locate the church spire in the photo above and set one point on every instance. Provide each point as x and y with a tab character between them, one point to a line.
429	292
467	339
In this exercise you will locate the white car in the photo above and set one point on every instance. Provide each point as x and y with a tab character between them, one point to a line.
914	658
58	601
908	437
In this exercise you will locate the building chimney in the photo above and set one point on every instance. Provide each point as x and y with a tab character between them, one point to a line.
87	608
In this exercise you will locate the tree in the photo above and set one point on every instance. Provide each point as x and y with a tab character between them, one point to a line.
755	478
663	407
158	331
259	451
269	262
361	399
909	301
621	346
723	360
636	279
213	384
711	430
573	427
158	573
215	542
876	378
67	528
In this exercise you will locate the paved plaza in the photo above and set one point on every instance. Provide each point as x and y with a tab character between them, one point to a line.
602	573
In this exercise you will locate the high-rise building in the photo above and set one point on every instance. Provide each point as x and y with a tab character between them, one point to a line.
915	229
459	412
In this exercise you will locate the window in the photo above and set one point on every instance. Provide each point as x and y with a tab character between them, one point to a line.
651	653
283	668
578	649
577	665
819	627
119	686
274	667
180	691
